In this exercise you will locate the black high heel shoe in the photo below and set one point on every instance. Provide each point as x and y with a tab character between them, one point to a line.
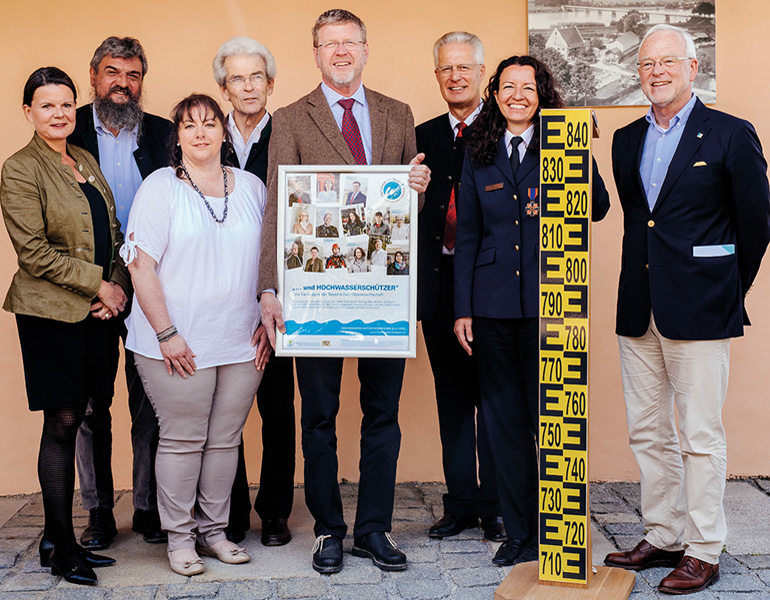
89	558
72	568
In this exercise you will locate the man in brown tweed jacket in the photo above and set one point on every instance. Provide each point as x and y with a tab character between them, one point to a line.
309	132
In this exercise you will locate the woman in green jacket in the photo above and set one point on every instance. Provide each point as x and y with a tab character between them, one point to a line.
71	282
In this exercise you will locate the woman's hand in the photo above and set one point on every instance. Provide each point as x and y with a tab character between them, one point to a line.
261	341
178	355
112	301
464	333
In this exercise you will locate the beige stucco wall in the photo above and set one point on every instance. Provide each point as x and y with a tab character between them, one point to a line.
181	38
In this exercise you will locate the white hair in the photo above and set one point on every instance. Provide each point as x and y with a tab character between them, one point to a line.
460	37
689	44
242	46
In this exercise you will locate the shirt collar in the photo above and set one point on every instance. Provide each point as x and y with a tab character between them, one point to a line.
453	121
333	97
256	134
679	119
102	130
526	137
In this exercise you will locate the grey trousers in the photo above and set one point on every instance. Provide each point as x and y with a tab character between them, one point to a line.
201	419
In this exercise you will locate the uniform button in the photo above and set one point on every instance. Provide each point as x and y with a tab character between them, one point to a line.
650	223
517	273
515	197
516	223
435	269
438	238
647	267
449	178
442	207
517	247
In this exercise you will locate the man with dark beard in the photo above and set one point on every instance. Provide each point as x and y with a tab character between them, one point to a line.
129	145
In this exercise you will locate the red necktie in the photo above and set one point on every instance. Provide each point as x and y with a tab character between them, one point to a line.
350	131
450	227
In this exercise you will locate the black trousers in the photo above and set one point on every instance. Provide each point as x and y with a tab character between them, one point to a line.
319	384
275	402
463	434
507	351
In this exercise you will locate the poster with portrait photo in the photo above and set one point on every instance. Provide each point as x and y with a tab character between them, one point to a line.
298	190
294	252
343	302
327	188
398	261
301	220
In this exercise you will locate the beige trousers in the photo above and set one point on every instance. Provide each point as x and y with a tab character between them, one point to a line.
201	419
682	475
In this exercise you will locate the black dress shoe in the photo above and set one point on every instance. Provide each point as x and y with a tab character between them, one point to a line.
147	522
89	558
73	568
509	551
451	524
275	532
381	548
327	554
101	529
236	529
494	529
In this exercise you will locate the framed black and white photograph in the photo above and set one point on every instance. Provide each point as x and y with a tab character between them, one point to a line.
592	46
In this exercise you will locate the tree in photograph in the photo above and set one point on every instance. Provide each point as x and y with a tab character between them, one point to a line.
582	84
633	21
706	9
537	45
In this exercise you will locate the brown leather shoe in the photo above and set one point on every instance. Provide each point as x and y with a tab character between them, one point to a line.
644	556
690	576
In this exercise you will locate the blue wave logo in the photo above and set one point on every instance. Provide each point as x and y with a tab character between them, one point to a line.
354	328
392	190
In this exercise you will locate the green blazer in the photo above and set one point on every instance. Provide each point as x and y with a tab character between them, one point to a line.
49	221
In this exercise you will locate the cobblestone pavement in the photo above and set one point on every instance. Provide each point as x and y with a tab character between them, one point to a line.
457	568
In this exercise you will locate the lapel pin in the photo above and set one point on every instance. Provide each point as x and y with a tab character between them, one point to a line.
700	135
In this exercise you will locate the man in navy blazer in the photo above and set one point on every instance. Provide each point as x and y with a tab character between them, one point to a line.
471	494
693	186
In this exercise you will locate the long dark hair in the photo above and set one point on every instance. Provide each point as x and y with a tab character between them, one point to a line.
490	125
46	76
183	109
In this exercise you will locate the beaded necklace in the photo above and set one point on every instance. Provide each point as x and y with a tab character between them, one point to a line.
206	202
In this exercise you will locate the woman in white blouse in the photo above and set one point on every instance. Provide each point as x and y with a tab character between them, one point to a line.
193	250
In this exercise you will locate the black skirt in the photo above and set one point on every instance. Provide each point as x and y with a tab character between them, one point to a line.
65	364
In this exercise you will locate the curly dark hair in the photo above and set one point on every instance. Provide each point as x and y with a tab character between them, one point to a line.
193	102
490	125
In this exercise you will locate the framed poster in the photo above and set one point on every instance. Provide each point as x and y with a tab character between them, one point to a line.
347	256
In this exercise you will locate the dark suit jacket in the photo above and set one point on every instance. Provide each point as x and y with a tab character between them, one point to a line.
498	245
444	157
360	199
305	132
152	150
715	193
256	162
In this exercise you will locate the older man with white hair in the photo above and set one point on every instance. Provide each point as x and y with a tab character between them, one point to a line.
693	185
245	71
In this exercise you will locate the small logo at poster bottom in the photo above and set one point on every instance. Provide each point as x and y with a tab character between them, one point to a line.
392	190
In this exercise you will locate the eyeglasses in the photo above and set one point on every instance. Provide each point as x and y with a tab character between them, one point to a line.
239	81
348	44
461	69
667	62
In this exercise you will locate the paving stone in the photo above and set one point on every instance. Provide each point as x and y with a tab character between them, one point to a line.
619	517
17	545
651	577
191	590
408	537
475	577
19	532
628	491
422	589
357	574
764	484
735	582
302	587
451	545
598	508
8	559
626	542
246	590
736	595
418	572
31	564
79	593
632	529
474	593
419	515
27	521
34	507
147	592
602	492
423	554
23	595
460	560
764	576
361	592
728	564
29	582
761	561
